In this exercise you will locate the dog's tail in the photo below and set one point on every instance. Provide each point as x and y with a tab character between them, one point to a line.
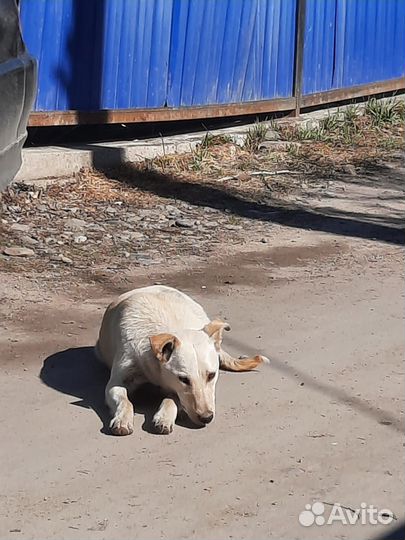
228	363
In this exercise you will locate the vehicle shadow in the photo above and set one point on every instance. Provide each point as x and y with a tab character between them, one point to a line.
393	533
78	373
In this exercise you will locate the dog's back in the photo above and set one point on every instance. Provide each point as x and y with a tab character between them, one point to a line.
140	313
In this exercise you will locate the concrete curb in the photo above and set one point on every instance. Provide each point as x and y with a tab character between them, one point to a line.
62	161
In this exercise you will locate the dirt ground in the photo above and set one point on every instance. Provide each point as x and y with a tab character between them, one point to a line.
322	297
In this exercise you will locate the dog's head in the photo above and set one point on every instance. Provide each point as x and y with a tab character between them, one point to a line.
190	364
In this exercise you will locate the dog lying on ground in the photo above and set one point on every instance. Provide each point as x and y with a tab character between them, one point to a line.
161	336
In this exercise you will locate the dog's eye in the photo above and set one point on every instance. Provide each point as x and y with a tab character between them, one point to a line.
184	380
210	376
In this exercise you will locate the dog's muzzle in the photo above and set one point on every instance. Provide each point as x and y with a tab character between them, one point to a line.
205	418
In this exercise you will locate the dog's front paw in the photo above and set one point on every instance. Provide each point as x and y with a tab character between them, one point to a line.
122	424
162	426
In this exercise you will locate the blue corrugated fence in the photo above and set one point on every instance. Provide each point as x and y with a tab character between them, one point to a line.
353	42
130	54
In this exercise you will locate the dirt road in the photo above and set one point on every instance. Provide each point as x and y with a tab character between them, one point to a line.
322	423
307	268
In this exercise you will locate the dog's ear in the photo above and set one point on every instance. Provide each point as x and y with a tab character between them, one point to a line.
215	329
163	346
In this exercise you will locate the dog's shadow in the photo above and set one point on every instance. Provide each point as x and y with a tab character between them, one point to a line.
78	373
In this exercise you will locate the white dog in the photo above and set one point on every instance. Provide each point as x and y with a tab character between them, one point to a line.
161	336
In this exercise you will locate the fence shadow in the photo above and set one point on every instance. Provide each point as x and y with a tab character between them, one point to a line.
111	162
393	533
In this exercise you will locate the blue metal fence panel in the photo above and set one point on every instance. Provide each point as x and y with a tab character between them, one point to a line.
136	53
122	54
353	42
231	51
128	54
99	54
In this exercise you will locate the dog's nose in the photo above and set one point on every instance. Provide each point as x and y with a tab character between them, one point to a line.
206	418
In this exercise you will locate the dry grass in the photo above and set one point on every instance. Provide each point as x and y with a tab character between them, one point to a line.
320	151
255	136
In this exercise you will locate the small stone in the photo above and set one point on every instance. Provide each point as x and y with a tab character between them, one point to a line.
18	252
80	239
244	177
75	224
349	169
131	219
146	212
20	227
272	135
279	146
14	208
263	240
185	223
29	240
238	138
172	210
95	227
64	259
211	224
124	237
145	261
133	235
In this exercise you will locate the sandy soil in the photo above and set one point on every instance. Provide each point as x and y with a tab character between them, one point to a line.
322	423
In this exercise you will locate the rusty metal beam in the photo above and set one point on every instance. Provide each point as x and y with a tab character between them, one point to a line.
69	118
343	94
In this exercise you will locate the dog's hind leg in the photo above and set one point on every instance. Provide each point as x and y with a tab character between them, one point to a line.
228	363
165	417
